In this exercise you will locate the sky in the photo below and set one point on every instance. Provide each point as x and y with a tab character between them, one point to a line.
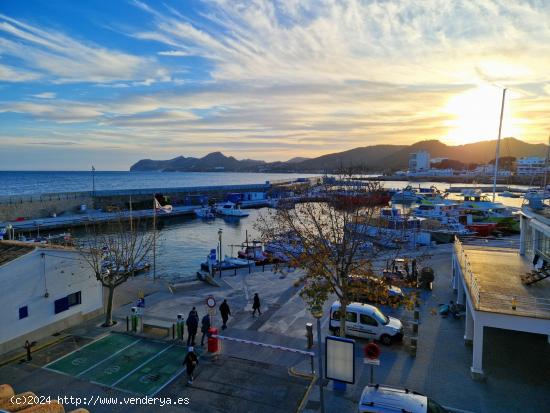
108	83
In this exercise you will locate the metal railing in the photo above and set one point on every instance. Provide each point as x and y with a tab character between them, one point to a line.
491	301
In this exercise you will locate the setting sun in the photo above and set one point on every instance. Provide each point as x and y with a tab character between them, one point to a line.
475	115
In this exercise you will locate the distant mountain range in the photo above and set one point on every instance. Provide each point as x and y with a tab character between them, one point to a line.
379	158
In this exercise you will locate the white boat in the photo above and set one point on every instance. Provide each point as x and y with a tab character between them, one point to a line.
204	212
230	209
238	261
406	196
477	203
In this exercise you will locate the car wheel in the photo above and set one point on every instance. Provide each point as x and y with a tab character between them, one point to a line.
386	340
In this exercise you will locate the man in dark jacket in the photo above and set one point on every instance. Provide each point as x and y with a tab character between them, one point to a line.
190	362
192	326
225	313
205	325
256	305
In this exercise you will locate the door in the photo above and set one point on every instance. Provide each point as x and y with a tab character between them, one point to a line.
352	325
369	326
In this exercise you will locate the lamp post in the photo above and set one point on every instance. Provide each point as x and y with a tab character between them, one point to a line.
317	312
220	232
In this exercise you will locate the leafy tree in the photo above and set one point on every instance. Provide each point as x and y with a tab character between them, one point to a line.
330	242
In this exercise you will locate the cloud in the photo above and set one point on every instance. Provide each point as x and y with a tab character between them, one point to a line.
176	53
45	95
10	74
63	59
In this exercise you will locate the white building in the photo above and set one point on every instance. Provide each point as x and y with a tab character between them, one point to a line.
419	161
532	165
433	172
493	282
45	289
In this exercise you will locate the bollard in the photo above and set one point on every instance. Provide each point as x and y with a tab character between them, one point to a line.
173	331
309	335
415	327
416	314
180	327
213	342
127	323
135	317
413	347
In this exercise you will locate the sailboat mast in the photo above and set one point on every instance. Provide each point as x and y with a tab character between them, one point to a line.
498	143
546	163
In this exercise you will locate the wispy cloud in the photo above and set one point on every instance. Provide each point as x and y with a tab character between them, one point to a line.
45	95
63	59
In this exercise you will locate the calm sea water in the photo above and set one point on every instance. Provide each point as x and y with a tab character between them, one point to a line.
35	182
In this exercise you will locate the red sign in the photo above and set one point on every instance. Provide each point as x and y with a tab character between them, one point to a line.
372	351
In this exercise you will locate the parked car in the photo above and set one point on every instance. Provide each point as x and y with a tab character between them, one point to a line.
385	399
366	321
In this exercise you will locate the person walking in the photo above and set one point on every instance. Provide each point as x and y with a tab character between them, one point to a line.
190	362
256	305
225	311
205	325
192	326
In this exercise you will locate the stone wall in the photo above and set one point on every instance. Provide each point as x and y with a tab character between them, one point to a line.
42	206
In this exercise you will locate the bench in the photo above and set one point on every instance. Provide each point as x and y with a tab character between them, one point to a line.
157	328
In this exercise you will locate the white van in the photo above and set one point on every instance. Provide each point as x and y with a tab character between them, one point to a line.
366	321
385	399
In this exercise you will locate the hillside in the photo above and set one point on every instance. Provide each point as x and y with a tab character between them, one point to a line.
369	158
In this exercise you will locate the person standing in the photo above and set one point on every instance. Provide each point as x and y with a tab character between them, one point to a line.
256	305
205	325
192	326
190	362
225	312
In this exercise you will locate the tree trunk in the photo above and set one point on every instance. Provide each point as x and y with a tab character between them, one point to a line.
343	308
109	311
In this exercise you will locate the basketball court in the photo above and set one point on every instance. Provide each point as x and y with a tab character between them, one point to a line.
124	362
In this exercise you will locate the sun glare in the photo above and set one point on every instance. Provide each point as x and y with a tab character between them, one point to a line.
474	116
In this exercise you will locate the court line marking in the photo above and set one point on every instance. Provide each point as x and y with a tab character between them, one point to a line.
110	357
45	366
140	366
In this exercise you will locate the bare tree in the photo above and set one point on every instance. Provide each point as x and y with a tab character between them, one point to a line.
115	251
327	239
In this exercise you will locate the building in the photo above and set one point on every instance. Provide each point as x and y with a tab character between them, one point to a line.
532	165
45	289
505	286
438	160
419	161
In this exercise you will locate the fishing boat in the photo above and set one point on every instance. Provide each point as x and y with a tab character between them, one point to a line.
205	212
347	199
230	209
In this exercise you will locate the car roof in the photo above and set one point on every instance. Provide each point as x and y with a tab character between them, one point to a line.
355	306
391	399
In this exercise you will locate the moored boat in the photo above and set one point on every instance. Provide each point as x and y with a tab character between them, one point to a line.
230	209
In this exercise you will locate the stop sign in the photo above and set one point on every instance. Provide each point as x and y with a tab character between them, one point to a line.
372	351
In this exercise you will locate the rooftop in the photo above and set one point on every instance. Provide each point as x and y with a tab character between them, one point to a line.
10	251
493	278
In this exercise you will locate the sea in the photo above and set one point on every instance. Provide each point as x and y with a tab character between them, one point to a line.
184	241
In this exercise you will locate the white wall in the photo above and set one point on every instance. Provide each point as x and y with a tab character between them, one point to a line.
23	284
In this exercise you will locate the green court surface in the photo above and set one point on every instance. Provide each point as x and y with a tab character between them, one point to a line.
124	362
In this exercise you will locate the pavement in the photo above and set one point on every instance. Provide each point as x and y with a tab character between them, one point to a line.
245	377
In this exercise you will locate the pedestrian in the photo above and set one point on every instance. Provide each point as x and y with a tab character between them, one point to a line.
205	325
256	305
192	326
190	362
225	312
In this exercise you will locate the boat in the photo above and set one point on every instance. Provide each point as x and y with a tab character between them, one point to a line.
107	267
407	195
204	212
509	194
230	209
238	261
483	229
351	199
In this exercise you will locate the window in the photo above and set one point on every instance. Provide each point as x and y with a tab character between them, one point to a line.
351	317
365	319
65	303
23	312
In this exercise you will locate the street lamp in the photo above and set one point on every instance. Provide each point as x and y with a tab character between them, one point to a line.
317	312
220	232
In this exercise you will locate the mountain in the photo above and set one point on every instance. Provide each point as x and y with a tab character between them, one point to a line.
215	161
376	158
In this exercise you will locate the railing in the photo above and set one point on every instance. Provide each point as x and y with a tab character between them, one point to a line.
484	300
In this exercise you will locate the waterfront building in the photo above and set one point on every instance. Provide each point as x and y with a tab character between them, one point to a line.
45	289
419	161
532	165
504	285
